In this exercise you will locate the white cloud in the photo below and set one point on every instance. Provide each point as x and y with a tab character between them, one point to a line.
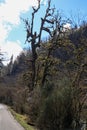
10	12
44	2
66	27
11	48
12	9
4	31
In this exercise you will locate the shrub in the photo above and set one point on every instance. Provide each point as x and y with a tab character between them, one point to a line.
56	112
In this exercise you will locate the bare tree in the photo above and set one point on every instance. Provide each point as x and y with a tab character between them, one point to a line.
35	39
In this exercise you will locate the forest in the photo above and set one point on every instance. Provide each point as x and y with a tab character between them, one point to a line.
48	80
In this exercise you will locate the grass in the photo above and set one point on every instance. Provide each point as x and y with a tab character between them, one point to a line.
22	120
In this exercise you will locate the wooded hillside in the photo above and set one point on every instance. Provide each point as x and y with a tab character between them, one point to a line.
48	82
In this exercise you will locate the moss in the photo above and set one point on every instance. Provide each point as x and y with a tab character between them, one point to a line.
22	119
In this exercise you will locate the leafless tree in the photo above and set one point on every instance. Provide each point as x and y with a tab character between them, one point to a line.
35	39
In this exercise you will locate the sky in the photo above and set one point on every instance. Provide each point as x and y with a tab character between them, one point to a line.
12	28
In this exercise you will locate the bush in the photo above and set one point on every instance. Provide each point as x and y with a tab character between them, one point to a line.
56	112
50	115
34	101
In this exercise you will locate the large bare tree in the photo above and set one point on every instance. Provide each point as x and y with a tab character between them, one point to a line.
34	38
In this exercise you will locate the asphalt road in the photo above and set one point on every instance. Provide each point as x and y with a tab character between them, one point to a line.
7	121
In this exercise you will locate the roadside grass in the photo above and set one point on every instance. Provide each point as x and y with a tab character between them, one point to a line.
22	119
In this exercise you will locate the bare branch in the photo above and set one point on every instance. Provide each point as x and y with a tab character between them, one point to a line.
47	30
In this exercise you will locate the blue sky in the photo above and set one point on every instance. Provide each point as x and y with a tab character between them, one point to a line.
74	5
12	31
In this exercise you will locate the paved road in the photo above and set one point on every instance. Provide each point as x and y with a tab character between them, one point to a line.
7	121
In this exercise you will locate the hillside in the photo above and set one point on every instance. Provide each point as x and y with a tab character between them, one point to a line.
47	83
